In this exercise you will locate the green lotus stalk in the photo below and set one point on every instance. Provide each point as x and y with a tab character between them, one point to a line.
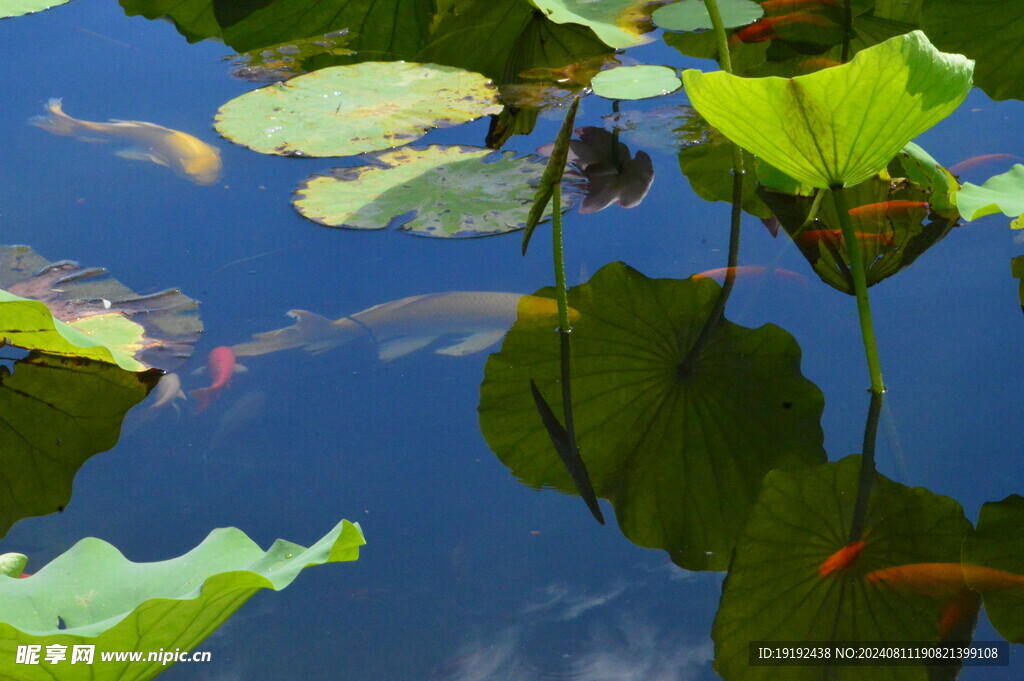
860	288
867	468
724	58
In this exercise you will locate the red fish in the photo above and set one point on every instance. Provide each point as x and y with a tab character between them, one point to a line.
222	366
767	28
841	559
958	610
814	236
889	210
975	161
746	270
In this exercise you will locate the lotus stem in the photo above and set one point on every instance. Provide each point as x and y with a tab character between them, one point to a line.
860	288
847	30
867	468
724	57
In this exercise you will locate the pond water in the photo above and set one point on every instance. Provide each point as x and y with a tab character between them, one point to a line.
468	574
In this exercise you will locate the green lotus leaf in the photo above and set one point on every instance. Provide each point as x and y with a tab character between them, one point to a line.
93	595
692	15
95	316
987	31
842	125
636	82
58	412
894	219
619	23
347	110
1002	193
787	581
442	191
998	544
17	8
681	458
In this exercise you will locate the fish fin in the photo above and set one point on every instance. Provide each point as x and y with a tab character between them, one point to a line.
199	371
476	342
399	347
239	369
203	397
180	395
133	154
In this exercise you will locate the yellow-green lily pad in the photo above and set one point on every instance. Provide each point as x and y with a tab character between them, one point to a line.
636	82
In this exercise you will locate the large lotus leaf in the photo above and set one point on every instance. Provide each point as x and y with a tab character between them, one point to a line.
681	457
1000	194
93	595
895	220
987	31
619	23
636	82
842	125
17	8
347	110
998	544
692	15
788	581
56	413
442	191
155	330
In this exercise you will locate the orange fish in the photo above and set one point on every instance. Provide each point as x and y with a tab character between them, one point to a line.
818	63
958	610
792	6
945	579
767	28
889	210
975	161
814	236
841	559
747	270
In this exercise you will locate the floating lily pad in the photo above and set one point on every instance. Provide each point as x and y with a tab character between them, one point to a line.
998	544
442	191
287	60
835	127
636	82
789	582
17	8
894	219
987	31
94	315
57	412
347	110
93	595
681	457
692	15
1000	194
619	23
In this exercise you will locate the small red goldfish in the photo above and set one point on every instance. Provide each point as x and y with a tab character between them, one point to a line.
767	28
889	210
222	366
975	161
747	270
841	559
814	236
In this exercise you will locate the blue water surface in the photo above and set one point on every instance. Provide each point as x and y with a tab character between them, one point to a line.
467	574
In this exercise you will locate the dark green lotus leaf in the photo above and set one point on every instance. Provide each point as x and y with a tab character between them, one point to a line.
636	82
998	544
619	23
56	413
782	585
1000	194
93	314
17	8
93	595
894	218
347	110
681	458
987	31
286	60
708	166
692	15
440	191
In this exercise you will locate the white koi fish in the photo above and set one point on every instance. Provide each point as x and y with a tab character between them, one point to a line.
479	318
186	155
168	389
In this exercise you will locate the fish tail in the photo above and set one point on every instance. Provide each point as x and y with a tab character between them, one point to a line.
203	397
56	121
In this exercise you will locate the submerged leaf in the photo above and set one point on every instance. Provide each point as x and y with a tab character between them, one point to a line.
795	577
56	413
93	595
347	110
842	125
441	191
998	544
680	457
